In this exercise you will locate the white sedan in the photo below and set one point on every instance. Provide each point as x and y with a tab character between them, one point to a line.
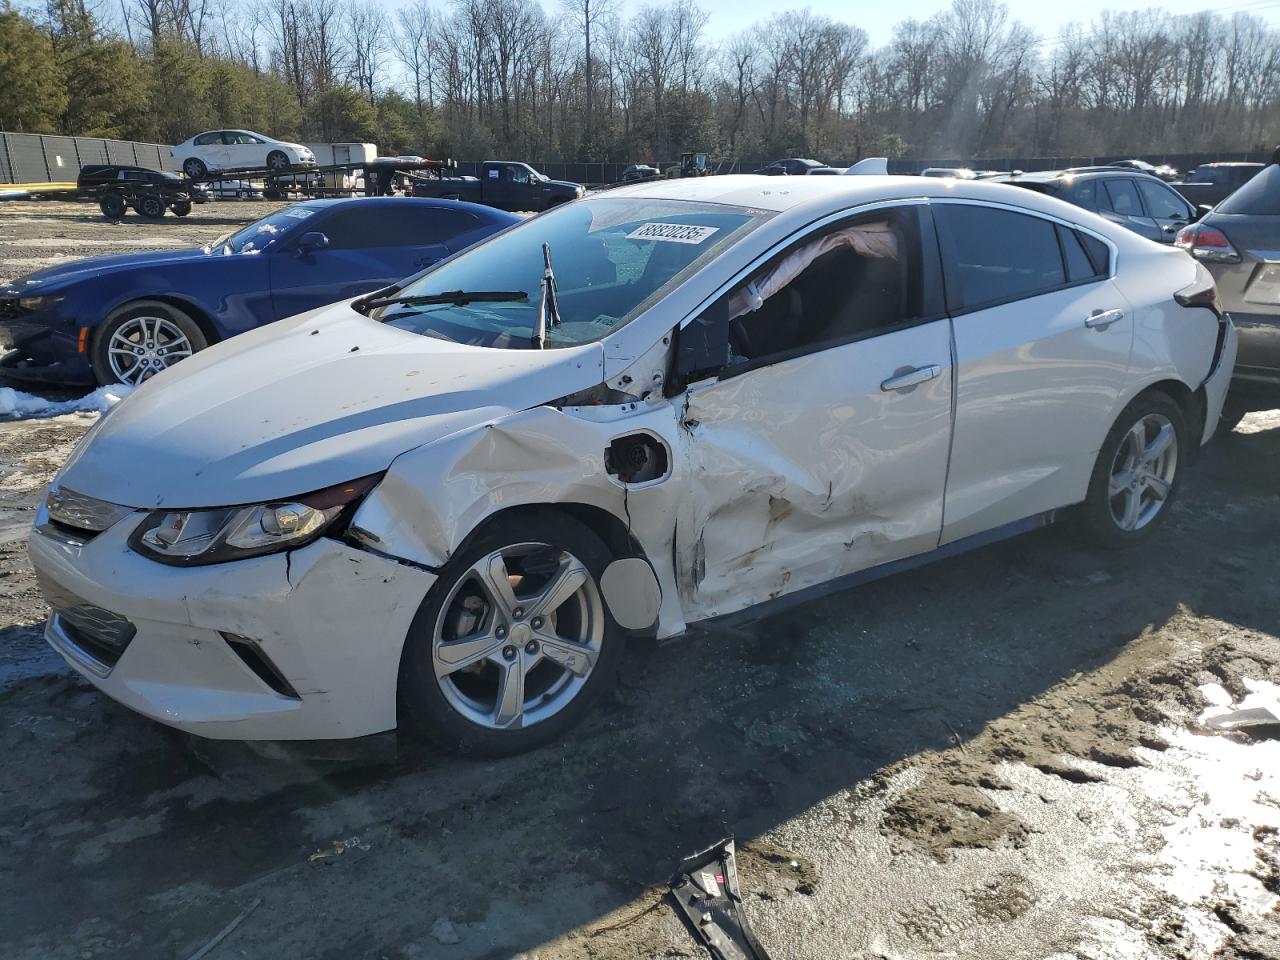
216	150
453	502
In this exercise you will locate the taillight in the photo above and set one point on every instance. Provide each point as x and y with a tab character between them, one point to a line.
1206	243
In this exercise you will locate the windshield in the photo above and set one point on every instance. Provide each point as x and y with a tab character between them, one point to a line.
1260	196
613	257
262	233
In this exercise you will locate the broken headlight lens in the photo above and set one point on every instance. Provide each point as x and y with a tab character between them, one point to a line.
190	538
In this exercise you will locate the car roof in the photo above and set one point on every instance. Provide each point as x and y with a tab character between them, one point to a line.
1234	163
820	196
491	213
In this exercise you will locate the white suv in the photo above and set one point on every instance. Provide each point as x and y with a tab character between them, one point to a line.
238	150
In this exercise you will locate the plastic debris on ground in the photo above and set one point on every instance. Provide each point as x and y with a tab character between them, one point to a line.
706	890
16	405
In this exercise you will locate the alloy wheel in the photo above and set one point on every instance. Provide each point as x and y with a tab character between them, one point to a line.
1142	472
143	346
518	636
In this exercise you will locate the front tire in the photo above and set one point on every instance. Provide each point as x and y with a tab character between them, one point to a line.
142	339
513	645
278	160
1138	472
181	208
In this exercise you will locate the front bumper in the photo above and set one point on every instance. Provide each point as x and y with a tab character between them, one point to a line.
329	620
43	347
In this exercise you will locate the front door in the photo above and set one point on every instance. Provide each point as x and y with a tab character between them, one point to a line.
1042	339
820	447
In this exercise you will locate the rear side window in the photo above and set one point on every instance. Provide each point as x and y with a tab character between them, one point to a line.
1260	197
1162	203
1080	267
1124	198
207	138
364	226
996	256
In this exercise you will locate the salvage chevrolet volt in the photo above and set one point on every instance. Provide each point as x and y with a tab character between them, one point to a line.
448	505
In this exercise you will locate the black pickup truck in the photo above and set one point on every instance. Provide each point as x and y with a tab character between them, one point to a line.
505	184
1211	183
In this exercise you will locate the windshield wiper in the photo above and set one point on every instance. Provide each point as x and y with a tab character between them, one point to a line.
548	305
457	298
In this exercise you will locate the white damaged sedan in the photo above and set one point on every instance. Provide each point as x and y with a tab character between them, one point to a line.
451	503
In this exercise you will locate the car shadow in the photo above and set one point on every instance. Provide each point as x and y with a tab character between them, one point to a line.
124	830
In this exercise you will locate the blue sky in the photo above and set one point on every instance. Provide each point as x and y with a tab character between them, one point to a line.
729	16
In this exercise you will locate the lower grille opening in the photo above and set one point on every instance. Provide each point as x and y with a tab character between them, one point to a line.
100	633
251	654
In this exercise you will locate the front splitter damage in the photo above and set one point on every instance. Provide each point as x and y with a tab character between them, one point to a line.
706	890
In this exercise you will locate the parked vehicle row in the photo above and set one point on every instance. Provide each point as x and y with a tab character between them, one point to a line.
449	504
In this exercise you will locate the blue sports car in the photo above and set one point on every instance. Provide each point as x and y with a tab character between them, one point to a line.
125	318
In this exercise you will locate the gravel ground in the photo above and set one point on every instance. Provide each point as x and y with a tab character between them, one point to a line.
997	756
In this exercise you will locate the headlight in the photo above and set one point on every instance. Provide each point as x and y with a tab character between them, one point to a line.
32	304
189	538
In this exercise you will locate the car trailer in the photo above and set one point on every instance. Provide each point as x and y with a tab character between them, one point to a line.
118	188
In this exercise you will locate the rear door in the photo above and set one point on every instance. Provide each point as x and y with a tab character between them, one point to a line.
1165	206
212	150
371	245
1119	202
1042	344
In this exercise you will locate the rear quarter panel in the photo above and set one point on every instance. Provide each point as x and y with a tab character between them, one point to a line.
1170	342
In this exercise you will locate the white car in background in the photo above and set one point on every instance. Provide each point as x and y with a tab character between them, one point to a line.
454	501
216	150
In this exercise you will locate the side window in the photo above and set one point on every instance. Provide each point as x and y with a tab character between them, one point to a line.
1162	203
518	174
1099	254
355	227
1086	194
1080	265
852	281
1124	197
997	256
205	139
415	226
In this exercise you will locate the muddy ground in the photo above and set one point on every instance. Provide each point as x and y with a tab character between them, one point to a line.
997	756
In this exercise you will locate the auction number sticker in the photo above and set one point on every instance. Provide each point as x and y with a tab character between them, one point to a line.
672	232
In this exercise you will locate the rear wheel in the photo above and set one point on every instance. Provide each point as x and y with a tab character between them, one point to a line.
513	645
195	168
1137	473
141	340
112	206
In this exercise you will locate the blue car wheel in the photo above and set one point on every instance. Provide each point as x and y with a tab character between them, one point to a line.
143	339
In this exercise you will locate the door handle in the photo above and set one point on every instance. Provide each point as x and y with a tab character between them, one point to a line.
912	378
1101	319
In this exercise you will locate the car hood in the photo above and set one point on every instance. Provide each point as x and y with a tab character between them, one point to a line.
303	404
564	185
95	266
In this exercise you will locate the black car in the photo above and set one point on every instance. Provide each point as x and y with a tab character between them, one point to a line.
119	188
792	167
636	172
1137	201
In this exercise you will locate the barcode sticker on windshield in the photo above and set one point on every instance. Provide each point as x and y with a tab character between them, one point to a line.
672	232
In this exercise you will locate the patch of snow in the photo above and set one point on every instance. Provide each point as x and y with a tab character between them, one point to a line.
16	405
